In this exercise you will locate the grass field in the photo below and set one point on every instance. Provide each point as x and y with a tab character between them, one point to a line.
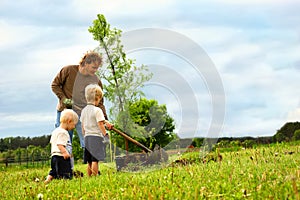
266	172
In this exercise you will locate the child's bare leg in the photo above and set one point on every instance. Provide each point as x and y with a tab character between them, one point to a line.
95	168
89	169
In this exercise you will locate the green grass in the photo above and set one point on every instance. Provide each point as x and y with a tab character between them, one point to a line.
266	172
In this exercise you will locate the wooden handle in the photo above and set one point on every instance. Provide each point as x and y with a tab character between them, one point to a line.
131	139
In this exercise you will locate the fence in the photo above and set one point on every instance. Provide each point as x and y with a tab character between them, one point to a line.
27	160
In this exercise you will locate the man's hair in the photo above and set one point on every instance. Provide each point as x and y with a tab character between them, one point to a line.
67	115
93	92
91	57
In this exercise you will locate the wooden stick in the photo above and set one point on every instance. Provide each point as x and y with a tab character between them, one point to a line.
131	139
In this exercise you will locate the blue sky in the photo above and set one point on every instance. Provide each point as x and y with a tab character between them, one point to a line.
253	45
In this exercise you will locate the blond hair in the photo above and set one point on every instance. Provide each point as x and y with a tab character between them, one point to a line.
93	92
67	115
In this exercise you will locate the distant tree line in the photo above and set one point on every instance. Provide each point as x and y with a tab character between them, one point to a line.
13	143
19	148
289	132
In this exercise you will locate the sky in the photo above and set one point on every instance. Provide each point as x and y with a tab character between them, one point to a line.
223	68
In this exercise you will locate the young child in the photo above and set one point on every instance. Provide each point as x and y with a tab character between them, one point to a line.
61	147
93	129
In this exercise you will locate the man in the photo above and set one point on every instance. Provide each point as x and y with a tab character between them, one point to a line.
69	84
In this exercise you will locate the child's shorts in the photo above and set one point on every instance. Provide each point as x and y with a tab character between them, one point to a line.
60	167
94	149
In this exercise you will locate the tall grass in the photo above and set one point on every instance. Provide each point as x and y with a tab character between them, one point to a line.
267	172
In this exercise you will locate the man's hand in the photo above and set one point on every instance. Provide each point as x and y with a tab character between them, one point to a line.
68	103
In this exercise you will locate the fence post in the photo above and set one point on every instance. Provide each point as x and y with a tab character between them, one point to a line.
27	157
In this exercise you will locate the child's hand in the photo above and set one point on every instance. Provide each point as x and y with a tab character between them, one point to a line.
108	125
106	139
66	155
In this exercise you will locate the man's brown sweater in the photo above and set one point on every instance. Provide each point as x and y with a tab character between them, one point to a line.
69	83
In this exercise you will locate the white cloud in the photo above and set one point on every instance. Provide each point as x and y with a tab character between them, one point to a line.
294	115
135	7
16	35
258	2
26	124
250	126
253	44
27	117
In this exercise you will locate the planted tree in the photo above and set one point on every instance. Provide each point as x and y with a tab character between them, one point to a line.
122	78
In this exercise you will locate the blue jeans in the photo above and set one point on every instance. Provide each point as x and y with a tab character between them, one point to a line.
78	129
